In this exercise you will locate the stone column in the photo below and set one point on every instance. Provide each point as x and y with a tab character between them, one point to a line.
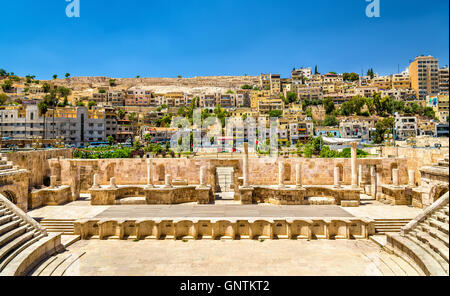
360	175
53	181
298	175
95	182
412	178
168	181
337	182
373	181
245	166
203	177
395	180
353	165
112	183
150	173
379	170
280	174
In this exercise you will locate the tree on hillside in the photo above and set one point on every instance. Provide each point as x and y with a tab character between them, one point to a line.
350	76
3	99
291	97
315	70
328	105
370	73
276	113
67	75
55	76
7	85
46	87
121	114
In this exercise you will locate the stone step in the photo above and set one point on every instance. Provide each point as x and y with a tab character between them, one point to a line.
426	249
18	250
51	266
434	233
431	266
3	162
435	244
440	217
5	167
69	264
12	234
5	219
439	225
398	265
445	210
12	245
2	212
8	226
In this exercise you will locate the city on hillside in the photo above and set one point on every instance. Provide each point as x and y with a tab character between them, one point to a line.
408	108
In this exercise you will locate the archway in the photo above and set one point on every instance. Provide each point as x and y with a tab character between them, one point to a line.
437	191
10	196
341	172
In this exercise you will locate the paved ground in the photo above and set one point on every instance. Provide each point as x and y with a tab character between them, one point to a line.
277	258
221	210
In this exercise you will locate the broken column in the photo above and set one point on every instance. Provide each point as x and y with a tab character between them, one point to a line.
280	174
395	180
53	182
203	177
373	181
95	182
337	181
245	165
149	173
412	178
168	181
298	175
112	183
353	165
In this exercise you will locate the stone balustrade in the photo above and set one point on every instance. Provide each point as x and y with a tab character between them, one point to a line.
140	229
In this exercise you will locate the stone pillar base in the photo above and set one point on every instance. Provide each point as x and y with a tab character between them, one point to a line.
202	194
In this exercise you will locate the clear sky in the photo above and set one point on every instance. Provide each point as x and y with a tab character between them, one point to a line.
166	38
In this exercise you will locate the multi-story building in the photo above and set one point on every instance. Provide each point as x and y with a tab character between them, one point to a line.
76	125
440	105
357	128
275	84
310	93
426	127
138	97
424	76
405	127
443	81
400	81
116	98
299	74
264	81
442	130
400	94
382	82
301	131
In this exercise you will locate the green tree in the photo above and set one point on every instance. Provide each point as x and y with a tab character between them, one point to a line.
382	127
315	70
91	104
46	87
55	76
67	75
3	99
328	104
291	97
330	120
110	139
350	76
112	82
246	86
276	113
7	85
43	109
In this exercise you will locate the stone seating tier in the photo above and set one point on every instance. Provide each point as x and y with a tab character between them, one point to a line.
425	239
23	243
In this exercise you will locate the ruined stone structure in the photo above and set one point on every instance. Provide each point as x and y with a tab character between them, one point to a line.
14	183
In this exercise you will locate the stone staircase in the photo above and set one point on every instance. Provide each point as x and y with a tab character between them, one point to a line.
60	265
425	239
22	241
383	226
64	226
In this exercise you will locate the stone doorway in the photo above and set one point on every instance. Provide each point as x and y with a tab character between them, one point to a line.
225	181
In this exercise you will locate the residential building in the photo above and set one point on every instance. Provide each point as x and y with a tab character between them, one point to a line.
405	127
440	105
443	81
275	84
423	72
357	128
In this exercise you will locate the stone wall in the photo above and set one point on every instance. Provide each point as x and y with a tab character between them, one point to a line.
416	157
37	163
262	171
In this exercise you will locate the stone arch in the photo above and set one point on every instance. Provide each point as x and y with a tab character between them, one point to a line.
341	171
10	196
161	172
437	191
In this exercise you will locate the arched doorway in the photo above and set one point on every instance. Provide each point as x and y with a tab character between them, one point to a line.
10	196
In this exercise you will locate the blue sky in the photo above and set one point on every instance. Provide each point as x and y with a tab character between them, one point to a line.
166	38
